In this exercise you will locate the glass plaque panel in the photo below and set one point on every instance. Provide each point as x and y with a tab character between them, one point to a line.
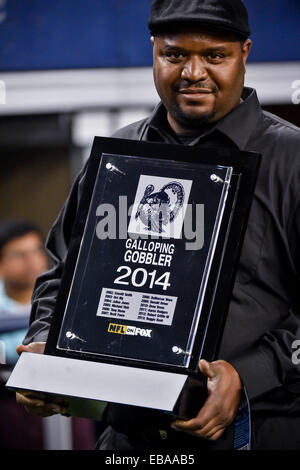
144	260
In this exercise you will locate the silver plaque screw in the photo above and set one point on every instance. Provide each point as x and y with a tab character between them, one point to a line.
216	179
71	335
113	168
177	350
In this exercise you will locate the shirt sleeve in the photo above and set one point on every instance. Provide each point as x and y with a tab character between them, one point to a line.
270	365
47	285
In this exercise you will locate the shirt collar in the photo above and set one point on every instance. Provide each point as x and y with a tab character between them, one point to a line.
238	125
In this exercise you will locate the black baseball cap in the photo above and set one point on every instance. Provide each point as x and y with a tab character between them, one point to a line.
227	15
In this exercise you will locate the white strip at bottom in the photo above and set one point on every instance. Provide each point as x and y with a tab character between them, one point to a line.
97	381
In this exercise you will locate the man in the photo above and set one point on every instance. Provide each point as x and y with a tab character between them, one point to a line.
200	51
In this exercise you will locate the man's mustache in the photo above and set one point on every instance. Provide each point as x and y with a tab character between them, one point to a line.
182	86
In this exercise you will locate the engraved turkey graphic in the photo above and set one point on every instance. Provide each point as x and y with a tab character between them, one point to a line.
158	209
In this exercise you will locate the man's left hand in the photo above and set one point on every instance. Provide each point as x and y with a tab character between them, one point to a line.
224	394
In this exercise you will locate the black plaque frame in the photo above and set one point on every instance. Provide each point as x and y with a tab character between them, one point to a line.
245	169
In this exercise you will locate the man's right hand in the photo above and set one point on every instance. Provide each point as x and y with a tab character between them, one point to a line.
38	402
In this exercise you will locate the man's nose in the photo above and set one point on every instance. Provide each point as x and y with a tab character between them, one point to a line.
194	70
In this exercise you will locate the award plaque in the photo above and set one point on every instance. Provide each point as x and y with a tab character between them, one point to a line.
148	275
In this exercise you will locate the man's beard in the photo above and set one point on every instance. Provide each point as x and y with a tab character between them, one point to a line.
192	122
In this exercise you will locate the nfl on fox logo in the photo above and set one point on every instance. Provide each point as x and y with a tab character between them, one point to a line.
129	330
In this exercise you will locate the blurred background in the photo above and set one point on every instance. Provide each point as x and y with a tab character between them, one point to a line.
73	69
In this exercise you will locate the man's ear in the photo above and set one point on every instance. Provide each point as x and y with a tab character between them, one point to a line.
246	48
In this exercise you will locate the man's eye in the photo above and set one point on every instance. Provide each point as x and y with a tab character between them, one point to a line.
214	56
174	55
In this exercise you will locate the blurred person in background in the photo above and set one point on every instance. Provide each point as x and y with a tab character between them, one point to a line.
22	260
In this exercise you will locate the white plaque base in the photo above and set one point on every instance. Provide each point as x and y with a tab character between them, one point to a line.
96	381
